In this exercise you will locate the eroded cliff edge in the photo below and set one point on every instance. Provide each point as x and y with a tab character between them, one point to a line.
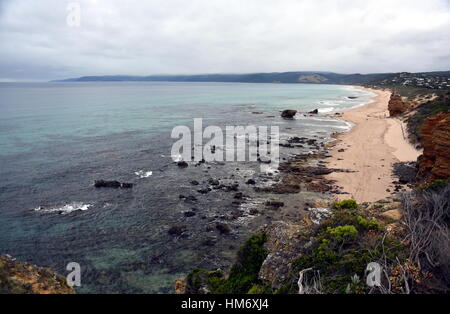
23	278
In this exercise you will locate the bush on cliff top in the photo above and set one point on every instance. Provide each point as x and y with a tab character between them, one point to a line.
342	248
345	204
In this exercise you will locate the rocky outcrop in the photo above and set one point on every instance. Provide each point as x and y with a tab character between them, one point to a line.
397	106
434	164
288	114
23	278
180	286
112	184
284	241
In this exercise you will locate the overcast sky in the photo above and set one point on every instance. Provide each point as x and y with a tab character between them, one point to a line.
140	37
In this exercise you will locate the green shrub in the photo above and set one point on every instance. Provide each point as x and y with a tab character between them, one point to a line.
243	276
345	204
341	251
260	289
436	185
342	233
368	224
199	278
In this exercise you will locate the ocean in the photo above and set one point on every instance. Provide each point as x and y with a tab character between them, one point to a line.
57	138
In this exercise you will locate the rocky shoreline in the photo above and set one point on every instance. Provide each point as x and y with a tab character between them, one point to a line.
296	226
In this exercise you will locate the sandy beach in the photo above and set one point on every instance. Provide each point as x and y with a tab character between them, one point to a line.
369	150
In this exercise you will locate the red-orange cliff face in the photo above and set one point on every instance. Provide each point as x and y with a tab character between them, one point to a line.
397	106
434	164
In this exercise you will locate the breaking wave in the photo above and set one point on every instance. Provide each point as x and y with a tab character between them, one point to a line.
65	209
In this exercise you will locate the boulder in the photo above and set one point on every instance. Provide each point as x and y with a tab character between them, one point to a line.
393	214
180	286
191	198
275	204
214	182
239	196
315	111
223	228
204	191
106	184
177	230
182	164
288	114
112	184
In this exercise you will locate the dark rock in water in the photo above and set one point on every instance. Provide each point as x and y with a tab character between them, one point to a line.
195	182
177	230
254	211
210	242
275	204
352	97
315	111
191	198
189	214
251	182
239	196
112	184
106	184
297	140
126	185
288	114
214	182
204	191
223	228
182	164
233	187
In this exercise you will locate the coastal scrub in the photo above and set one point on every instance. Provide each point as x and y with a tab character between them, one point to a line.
243	276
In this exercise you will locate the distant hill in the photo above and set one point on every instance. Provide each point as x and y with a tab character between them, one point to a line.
282	77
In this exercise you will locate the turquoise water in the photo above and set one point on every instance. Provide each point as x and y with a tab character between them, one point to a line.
57	138
35	113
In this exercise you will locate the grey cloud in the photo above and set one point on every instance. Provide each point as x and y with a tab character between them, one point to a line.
210	36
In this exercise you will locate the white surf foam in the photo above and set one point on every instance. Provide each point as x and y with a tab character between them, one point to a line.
326	110
65	209
143	174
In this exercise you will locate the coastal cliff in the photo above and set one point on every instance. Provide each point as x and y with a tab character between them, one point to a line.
23	278
397	106
434	164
